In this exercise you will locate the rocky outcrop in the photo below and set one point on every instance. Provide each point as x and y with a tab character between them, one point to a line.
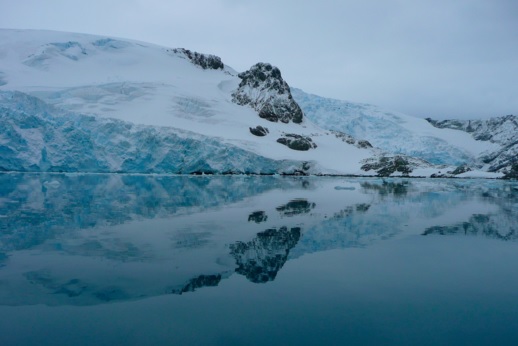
385	166
461	169
205	61
297	142
259	131
362	144
513	172
263	89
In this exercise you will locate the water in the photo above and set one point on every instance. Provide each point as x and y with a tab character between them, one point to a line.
128	259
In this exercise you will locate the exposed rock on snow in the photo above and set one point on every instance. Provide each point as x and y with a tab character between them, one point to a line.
351	140
385	166
461	169
297	142
513	172
263	88
205	61
259	131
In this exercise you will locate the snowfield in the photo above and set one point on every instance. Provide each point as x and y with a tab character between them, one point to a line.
76	102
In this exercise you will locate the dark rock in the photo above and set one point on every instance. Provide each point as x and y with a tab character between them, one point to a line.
259	131
205	61
385	166
344	137
263	88
297	142
461	169
513	173
364	144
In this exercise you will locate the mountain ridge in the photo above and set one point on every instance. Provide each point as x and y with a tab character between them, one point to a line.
93	78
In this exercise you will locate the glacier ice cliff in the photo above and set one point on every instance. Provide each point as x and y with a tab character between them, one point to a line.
35	136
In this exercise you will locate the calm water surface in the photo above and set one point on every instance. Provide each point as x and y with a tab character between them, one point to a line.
143	260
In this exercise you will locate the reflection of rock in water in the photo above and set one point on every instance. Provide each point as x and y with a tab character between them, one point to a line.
358	208
199	282
387	188
43	206
258	217
479	225
295	207
260	259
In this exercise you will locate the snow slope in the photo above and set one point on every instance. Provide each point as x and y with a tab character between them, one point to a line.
147	85
102	104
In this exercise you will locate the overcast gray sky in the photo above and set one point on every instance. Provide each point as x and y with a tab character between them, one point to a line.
437	58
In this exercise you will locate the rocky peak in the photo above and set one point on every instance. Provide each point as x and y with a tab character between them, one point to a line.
205	61
263	89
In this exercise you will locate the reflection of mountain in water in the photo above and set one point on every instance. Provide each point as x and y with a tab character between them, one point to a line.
40	206
261	259
60	225
479	225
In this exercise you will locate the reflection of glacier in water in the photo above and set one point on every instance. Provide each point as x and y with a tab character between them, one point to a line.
89	239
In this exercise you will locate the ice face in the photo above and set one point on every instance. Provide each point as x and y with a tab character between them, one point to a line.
394	132
37	137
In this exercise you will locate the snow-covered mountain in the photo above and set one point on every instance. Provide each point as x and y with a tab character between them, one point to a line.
502	131
403	134
76	102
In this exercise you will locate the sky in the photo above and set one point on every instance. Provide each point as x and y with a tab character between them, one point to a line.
428	58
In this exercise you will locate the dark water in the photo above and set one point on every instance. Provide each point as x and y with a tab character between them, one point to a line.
145	260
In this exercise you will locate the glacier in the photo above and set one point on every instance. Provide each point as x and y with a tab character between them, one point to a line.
85	103
393	131
37	137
